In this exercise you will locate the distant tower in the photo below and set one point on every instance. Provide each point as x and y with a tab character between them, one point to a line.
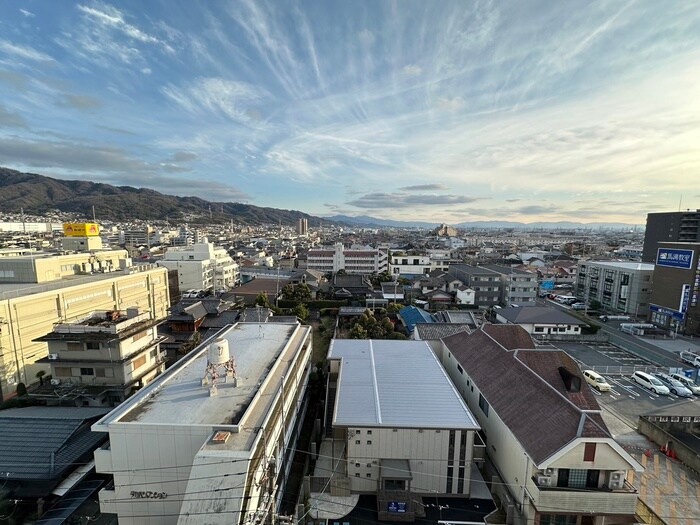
302	226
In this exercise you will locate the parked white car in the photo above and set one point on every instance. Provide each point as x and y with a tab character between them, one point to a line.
650	382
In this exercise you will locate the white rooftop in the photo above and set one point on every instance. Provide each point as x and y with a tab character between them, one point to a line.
178	398
621	265
398	384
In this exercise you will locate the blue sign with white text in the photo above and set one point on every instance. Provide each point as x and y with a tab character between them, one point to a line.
674	258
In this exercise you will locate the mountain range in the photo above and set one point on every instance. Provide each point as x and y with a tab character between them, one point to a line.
38	194
368	221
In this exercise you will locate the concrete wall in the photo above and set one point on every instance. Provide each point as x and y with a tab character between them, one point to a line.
661	433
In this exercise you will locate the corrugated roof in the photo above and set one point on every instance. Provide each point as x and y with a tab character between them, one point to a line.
526	390
410	315
395	384
436	331
35	438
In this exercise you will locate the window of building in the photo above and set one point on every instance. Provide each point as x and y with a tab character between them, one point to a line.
357	442
369	475
484	405
92	345
460	369
62	371
74	346
369	432
589	452
87	371
557	519
358	432
138	362
369	441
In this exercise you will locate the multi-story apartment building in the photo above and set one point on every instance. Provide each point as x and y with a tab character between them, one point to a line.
101	359
30	311
212	439
675	299
302	226
619	286
363	261
519	287
557	461
382	403
675	226
202	266
402	265
486	283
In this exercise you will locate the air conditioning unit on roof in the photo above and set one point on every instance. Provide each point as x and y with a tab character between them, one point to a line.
544	481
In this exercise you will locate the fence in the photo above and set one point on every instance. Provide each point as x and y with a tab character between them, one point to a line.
564	338
624	370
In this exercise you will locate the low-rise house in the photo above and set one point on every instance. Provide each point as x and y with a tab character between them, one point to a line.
540	320
556	459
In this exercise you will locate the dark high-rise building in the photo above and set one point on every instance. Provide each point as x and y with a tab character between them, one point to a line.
675	226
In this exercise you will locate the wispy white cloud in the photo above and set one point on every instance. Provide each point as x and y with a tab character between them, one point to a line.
23	52
233	99
26	13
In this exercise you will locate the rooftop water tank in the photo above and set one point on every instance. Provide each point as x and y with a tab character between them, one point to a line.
218	354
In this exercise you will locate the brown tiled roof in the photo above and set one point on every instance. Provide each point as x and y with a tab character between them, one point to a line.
525	389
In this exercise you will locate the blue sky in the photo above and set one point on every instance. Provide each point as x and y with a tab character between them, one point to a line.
440	111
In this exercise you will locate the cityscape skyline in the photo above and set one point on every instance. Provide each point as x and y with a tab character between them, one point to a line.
441	112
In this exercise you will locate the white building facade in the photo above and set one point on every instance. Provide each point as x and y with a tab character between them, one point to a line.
202	266
211	440
361	261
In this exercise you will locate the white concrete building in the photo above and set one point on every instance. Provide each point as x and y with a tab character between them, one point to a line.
362	261
210	440
558	462
406	431
202	266
410	265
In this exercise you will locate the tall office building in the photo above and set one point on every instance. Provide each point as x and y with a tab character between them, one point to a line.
675	226
302	226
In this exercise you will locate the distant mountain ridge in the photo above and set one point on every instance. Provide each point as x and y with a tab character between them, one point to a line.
37	194
365	220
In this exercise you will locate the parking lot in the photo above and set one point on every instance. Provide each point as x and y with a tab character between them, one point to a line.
627	400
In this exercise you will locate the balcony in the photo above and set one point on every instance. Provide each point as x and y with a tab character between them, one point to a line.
599	501
103	459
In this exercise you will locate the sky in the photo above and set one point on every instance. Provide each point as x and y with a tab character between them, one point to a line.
410	110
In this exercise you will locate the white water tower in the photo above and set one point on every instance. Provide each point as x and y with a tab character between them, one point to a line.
220	366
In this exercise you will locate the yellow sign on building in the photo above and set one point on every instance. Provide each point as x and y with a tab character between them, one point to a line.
81	229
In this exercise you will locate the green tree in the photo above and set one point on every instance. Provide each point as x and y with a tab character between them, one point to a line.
301	311
262	300
299	293
357	332
595	304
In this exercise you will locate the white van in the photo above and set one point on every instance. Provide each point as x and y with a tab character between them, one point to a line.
596	381
650	382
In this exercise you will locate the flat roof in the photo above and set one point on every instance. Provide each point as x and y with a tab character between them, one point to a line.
622	265
397	384
12	290
177	397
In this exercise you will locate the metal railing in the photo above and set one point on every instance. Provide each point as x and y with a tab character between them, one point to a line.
624	370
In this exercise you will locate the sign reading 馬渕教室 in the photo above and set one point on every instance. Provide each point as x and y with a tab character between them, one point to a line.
675	258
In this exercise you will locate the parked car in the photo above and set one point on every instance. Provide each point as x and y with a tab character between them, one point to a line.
578	306
650	382
675	386
597	381
695	389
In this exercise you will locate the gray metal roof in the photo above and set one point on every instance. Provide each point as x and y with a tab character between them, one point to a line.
42	442
537	315
398	384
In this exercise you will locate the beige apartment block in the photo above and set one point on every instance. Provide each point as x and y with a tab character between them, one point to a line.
40	267
30	311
